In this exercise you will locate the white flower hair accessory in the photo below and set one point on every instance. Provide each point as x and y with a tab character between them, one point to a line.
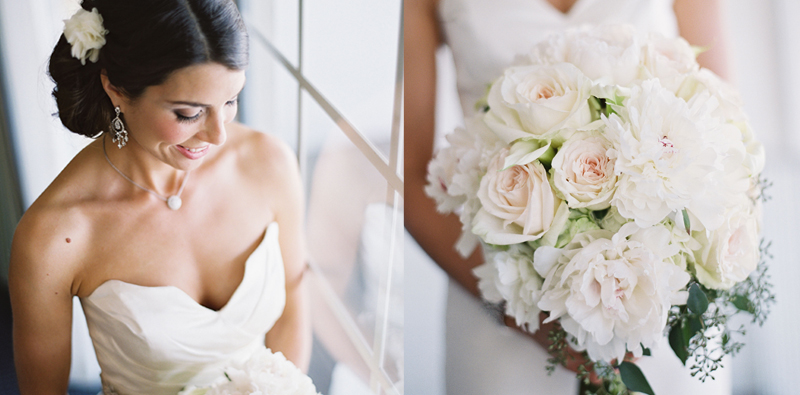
85	32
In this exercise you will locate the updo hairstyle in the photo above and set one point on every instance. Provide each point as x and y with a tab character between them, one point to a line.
147	40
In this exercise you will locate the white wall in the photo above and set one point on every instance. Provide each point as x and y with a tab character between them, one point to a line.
767	58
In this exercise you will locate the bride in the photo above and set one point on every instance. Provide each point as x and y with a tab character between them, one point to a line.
482	356
167	225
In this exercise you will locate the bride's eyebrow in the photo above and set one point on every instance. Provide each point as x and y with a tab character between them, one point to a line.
195	104
190	104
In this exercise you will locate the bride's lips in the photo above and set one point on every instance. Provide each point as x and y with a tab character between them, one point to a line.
193	152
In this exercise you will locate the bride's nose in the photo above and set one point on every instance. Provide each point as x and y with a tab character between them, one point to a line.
214	129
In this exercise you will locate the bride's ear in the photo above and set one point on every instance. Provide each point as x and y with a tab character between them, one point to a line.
115	94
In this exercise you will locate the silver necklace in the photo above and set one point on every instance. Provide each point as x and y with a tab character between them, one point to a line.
174	202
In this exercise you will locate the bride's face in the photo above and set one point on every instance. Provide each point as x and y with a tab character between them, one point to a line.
182	120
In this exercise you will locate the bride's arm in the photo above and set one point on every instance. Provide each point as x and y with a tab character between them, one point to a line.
291	334
435	233
40	282
702	23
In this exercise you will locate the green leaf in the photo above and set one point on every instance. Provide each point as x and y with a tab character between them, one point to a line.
698	301
691	328
524	151
600	214
595	107
742	303
634	379
678	344
646	351
687	224
698	49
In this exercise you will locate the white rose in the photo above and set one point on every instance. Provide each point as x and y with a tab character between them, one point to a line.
669	60
518	204
85	32
607	54
730	253
509	276
673	155
583	173
612	292
539	102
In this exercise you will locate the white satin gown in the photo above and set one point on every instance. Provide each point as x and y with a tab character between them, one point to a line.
156	340
483	357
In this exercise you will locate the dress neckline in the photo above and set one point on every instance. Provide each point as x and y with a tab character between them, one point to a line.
565	14
573	9
272	227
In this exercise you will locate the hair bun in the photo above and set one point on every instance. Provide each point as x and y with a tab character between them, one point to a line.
143	43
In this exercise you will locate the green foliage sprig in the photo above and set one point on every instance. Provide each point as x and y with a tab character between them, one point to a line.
558	349
700	331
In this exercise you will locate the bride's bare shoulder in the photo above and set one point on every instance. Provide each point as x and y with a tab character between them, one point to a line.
49	244
261	154
54	234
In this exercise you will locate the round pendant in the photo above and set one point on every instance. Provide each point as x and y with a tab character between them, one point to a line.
174	202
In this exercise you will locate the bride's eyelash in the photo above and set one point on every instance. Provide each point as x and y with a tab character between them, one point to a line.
183	118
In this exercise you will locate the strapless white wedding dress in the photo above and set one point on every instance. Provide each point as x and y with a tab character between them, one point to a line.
483	357
156	340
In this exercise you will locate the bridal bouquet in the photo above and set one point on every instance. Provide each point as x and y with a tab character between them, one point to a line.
615	188
264	373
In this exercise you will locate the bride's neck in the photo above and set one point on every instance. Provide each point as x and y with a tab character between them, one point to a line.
142	167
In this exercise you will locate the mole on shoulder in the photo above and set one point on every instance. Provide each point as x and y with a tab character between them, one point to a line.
69	240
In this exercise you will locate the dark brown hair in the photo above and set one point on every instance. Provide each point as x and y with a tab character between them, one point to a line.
147	40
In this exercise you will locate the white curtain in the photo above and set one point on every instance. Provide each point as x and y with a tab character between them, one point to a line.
42	145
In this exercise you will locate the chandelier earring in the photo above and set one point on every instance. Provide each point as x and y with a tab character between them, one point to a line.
120	134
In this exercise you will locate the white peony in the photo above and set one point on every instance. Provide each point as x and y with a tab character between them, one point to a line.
509	275
668	59
683	240
441	170
583	173
517	204
607	54
454	175
543	102
264	373
755	157
730	253
673	155
85	32
612	292
702	81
